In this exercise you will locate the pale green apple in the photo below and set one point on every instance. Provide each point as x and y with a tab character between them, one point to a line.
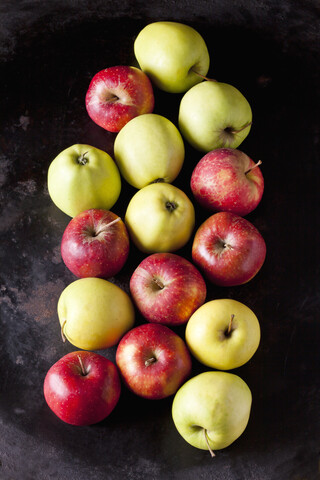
160	218
170	53
223	334
83	177
149	148
214	115
94	313
212	409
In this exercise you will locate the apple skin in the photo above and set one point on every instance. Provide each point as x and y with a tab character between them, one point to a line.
214	115
95	243
167	289
82	388
83	177
215	405
160	218
223	334
228	249
149	148
168	51
153	361
94	313
227	180
118	94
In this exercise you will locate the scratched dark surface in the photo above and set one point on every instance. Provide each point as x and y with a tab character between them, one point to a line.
48	53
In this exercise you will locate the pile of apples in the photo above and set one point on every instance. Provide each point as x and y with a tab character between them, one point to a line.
212	409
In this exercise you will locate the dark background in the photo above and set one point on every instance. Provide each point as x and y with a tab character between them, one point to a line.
49	51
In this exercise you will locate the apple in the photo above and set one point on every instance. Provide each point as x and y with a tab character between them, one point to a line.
223	334
228	249
94	313
153	361
167	288
173	55
214	115
82	388
95	243
148	149
83	177
118	94
160	218
227	180
212	410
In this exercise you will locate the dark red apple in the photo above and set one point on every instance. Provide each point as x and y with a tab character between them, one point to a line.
82	388
227	180
228	249
95	243
118	94
167	288
153	361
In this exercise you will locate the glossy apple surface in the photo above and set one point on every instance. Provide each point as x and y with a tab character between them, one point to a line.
83	177
227	180
94	313
212	410
153	361
223	334
118	94
167	288
95	243
214	115
82	388
228	249
148	149
160	218
170	53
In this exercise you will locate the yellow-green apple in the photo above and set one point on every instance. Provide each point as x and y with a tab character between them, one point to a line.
167	288
148	149
214	115
94	313
172	54
153	361
228	249
82	388
160	218
212	410
223	334
83	177
226	179
118	94
95	243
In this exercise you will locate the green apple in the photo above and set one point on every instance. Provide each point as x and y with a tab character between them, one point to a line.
83	177
212	409
170	53
149	148
214	115
160	218
94	313
223	334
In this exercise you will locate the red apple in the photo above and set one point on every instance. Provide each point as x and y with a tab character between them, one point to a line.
95	243
118	94
228	249
153	361
167	288
227	180
82	388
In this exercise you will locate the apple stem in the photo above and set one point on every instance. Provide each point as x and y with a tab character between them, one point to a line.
203	76
230	324
150	361
207	442
254	166
242	128
82	160
113	221
158	282
62	333
83	371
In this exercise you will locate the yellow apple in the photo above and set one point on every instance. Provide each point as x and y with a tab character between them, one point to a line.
94	313
223	334
160	218
83	177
